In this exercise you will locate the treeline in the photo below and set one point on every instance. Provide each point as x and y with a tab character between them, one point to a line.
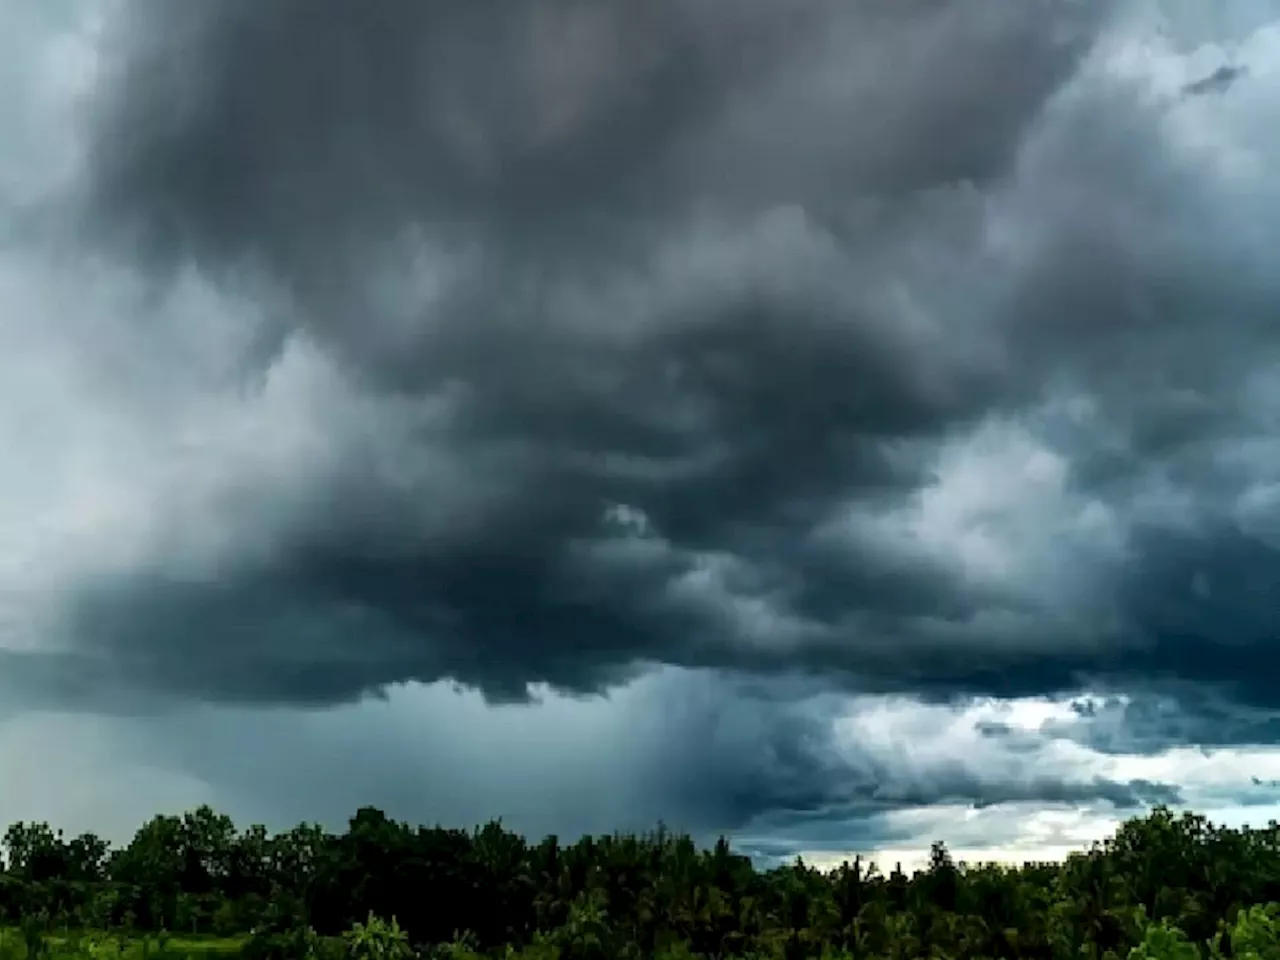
635	896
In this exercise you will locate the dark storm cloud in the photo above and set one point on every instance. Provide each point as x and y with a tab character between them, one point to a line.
665	312
535	121
1217	82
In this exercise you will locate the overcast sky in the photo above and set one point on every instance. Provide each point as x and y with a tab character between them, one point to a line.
841	425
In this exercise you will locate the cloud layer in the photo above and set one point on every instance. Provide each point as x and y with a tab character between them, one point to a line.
675	336
805	773
895	350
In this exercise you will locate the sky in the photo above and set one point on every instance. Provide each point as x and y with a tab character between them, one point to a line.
839	426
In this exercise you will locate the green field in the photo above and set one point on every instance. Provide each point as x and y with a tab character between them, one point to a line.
14	945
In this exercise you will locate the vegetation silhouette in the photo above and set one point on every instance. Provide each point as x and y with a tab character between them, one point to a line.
1166	886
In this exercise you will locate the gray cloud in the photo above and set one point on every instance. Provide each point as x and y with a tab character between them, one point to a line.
1149	721
1217	82
699	751
918	346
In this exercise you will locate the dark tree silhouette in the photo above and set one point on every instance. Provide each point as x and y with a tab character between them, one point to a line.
1163	884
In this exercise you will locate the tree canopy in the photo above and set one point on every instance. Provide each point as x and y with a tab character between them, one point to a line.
1163	884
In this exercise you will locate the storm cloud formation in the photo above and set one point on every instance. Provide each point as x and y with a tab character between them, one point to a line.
921	347
746	415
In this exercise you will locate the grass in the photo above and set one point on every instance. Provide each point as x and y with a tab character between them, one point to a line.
96	945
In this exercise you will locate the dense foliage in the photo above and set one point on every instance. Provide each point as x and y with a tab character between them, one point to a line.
1164	886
